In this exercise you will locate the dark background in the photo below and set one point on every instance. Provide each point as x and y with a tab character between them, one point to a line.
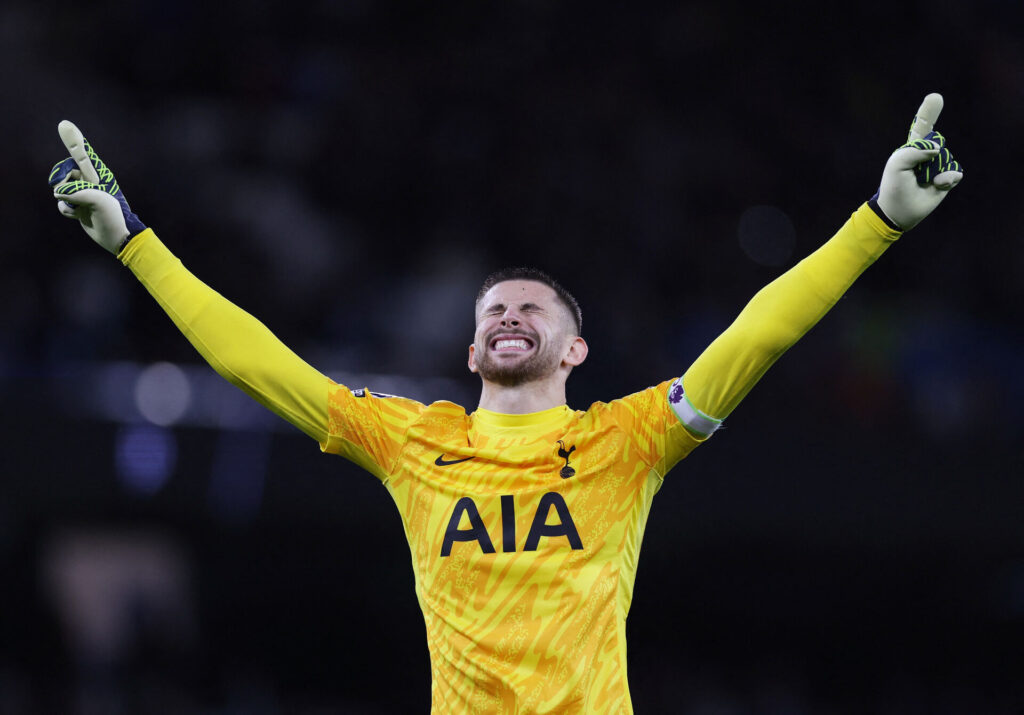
349	172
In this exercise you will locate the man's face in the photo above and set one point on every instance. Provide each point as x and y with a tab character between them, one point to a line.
522	333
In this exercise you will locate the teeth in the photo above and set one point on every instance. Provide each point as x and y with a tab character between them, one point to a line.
511	345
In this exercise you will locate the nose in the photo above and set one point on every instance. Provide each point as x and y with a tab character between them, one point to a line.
509	319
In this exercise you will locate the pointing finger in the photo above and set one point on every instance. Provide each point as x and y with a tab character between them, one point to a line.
926	117
75	142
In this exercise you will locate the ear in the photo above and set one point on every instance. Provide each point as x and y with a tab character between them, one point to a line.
577	352
472	358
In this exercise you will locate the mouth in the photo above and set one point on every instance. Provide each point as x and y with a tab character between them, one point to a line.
511	343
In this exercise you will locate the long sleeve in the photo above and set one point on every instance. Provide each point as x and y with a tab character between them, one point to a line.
239	347
777	316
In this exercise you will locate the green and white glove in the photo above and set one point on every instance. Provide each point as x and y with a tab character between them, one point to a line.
919	174
86	190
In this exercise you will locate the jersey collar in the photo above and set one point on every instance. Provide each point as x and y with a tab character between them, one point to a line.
500	420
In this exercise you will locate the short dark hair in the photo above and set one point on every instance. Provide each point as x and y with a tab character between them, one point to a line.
524	273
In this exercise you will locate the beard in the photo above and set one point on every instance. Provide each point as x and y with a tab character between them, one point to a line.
508	373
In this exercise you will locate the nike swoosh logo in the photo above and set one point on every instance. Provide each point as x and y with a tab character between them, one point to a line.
442	462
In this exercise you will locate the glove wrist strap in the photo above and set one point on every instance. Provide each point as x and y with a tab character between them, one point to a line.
873	205
127	239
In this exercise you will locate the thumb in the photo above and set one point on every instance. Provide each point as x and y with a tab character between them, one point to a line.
908	157
81	193
66	209
947	180
75	142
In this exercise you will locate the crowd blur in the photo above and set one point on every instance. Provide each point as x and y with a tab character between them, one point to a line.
349	172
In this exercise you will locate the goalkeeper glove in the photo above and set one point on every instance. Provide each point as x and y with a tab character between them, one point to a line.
919	174
86	190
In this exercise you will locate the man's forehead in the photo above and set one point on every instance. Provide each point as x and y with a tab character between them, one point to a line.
519	291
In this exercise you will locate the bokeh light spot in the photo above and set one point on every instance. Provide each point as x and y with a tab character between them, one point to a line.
162	393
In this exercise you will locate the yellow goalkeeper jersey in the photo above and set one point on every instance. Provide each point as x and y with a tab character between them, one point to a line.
525	530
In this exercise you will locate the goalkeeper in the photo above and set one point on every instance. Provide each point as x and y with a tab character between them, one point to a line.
524	517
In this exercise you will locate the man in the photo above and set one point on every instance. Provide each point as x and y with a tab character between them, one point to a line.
524	518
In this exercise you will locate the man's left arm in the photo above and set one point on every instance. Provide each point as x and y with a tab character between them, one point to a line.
917	177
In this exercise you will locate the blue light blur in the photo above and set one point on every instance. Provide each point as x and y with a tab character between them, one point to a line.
145	457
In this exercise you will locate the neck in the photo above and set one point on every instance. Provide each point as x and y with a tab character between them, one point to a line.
522	399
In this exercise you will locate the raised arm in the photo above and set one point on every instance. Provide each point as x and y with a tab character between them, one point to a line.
916	178
236	345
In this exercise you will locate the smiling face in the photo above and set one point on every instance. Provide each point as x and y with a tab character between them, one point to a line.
523	334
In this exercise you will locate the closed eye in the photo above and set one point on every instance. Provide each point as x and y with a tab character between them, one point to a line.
499	308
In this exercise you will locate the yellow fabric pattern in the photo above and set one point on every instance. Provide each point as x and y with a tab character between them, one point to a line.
525	532
782	312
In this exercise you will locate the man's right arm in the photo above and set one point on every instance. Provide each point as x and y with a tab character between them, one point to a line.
237	345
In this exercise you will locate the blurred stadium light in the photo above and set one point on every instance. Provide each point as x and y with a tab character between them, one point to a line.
168	394
162	393
145	457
